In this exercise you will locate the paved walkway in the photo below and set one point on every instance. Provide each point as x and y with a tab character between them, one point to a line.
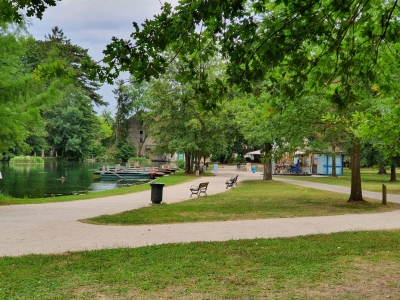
54	227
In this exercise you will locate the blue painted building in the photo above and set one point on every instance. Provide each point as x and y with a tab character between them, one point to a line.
322	164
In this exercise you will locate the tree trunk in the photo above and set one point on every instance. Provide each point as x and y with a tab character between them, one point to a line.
334	164
382	169
140	148
267	175
187	163
356	191
192	164
393	176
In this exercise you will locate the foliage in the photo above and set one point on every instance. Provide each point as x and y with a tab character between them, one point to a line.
371	156
37	140
72	126
123	113
6	156
139	102
340	45
37	77
236	143
13	11
96	149
240	159
22	95
178	123
125	150
270	33
180	163
26	160
56	55
108	121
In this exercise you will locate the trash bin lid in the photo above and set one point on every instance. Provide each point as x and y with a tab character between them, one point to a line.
157	183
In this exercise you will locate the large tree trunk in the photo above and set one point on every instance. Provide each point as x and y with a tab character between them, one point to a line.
393	176
187	163
267	175
382	169
356	191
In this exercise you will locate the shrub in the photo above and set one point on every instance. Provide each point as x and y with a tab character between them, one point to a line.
125	151
239	159
26	160
180	163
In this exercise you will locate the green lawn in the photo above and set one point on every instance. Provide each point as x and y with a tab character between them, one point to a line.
353	265
370	180
349	265
251	200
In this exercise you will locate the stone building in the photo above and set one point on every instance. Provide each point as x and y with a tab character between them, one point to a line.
144	142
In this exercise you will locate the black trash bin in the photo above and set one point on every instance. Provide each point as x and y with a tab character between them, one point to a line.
156	192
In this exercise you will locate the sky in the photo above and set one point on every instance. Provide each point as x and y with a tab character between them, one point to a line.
92	23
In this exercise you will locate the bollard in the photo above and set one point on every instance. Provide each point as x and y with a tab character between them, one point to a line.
384	194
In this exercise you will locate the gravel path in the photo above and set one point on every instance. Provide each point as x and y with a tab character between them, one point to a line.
54	227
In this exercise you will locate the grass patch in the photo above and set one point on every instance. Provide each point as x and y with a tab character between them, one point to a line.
251	200
26	160
350	265
370	180
177	178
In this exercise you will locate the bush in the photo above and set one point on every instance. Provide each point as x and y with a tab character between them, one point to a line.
26	160
239	159
180	163
125	151
214	158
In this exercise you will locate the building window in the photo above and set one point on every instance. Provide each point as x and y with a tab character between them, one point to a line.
140	140
141	132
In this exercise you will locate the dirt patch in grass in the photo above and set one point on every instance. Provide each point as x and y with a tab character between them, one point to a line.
362	280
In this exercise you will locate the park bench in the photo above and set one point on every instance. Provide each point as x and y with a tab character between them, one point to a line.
232	181
199	189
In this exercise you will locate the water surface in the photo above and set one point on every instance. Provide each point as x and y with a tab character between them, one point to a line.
46	180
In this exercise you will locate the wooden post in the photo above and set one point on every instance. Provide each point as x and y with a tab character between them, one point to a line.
384	194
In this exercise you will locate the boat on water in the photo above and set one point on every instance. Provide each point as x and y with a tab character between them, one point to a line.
124	175
132	173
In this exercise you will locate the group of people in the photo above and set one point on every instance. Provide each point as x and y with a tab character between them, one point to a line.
284	166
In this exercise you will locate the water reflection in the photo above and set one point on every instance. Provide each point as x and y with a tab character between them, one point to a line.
54	178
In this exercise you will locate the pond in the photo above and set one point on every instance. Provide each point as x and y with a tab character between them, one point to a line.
45	180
